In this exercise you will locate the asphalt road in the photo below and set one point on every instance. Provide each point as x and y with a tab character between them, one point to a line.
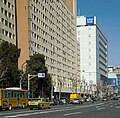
108	109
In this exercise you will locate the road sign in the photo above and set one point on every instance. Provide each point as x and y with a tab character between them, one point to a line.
41	75
28	91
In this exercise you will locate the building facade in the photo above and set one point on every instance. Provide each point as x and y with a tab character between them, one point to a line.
7	21
112	81
93	53
47	27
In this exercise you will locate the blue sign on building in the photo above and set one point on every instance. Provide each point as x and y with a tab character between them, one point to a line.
114	82
89	20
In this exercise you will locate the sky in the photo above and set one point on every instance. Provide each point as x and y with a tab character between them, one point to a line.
108	17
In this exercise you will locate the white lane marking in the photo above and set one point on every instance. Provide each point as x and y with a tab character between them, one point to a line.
97	106
72	113
32	113
118	107
100	108
16	112
27	111
35	113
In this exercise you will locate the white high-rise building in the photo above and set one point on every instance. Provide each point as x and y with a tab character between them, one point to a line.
93	53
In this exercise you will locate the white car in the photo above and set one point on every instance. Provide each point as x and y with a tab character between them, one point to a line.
76	101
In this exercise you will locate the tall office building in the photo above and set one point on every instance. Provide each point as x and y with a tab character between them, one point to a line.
93	53
47	27
7	21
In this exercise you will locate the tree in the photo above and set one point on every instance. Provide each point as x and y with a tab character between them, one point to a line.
39	86
9	73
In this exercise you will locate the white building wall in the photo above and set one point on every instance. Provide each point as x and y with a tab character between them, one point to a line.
92	66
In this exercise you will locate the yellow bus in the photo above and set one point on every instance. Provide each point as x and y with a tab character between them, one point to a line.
13	97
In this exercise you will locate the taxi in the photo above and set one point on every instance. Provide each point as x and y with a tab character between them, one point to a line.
39	103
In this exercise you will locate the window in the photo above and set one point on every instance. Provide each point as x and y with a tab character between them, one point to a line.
13	26
6	33
10	25
5	2
2	10
9	15
22	95
9	94
12	7
3	31
4	94
13	36
6	22
9	5
13	17
5	12
10	35
2	20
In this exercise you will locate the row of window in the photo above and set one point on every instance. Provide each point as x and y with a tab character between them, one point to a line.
8	24
13	94
7	14
38	37
10	5
8	34
65	29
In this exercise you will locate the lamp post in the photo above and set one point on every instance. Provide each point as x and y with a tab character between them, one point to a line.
39	75
29	78
23	72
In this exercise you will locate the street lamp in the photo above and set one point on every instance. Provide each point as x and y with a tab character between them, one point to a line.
23	72
39	75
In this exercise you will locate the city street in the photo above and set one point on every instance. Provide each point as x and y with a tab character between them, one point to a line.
110	109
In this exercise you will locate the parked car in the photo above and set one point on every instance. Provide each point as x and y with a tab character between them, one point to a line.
54	102
104	98
64	100
75	101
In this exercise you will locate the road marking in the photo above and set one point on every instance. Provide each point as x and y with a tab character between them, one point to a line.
118	107
72	113
100	108
35	113
26	113
97	106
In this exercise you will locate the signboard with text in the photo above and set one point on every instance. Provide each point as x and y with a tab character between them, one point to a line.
41	75
89	20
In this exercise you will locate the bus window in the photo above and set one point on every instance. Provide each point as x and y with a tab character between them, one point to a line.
21	94
26	94
14	94
9	94
4	94
17	94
